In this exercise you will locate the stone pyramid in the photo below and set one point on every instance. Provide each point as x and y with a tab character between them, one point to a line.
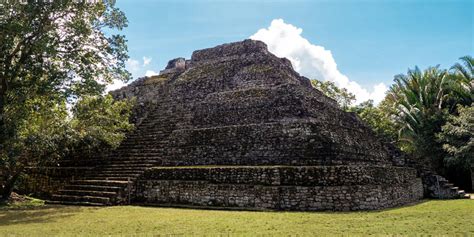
236	126
239	107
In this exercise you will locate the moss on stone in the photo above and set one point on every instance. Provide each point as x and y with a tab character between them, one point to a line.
156	79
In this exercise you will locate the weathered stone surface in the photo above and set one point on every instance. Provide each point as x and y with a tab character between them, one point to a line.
301	198
236	126
240	105
341	188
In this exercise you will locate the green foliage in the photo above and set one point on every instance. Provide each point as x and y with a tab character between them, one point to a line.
425	111
378	119
101	121
341	95
462	81
420	101
55	55
457	136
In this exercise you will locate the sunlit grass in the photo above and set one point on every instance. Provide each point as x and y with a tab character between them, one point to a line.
28	203
431	217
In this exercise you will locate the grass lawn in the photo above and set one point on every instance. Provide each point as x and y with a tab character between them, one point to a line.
432	217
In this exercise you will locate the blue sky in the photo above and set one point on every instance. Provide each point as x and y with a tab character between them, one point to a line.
370	41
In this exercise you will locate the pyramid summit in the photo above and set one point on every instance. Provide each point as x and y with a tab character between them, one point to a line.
236	126
241	89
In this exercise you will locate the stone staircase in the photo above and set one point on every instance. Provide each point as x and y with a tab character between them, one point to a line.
111	181
441	188
448	190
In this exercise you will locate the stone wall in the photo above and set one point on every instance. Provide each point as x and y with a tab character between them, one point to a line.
339	188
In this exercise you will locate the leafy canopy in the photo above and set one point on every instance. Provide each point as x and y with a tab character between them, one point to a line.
56	59
457	136
341	95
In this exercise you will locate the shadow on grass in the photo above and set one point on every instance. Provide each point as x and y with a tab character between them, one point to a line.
42	214
243	209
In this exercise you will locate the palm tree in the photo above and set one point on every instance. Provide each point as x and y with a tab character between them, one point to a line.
462	84
419	99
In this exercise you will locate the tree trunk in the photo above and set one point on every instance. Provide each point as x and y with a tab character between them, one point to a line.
7	188
3	91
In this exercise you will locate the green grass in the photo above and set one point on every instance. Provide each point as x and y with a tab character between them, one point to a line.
431	217
28	203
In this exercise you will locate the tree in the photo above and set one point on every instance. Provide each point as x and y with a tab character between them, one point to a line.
457	136
419	99
378	119
100	122
55	55
462	83
341	95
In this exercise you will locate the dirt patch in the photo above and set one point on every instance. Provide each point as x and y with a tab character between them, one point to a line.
16	198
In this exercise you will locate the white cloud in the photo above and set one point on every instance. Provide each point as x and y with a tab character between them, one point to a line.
312	61
150	73
116	84
146	61
137	69
132	65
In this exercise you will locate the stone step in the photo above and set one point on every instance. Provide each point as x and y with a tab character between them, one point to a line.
132	179
156	136
151	134
159	121
145	159
143	142
73	198
143	147
74	203
94	188
138	165
136	152
116	172
134	156
122	172
448	185
72	163
131	166
147	127
121	177
88	193
101	182
151	130
126	168
442	180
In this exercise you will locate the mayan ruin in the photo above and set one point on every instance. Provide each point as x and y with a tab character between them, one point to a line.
236	126
236	118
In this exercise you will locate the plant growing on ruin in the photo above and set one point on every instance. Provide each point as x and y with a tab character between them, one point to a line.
55	62
341	95
378	118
